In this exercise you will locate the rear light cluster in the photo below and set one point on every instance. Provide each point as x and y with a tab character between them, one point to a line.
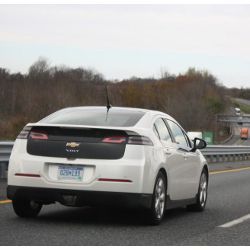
140	140
114	139
131	139
24	133
36	135
136	140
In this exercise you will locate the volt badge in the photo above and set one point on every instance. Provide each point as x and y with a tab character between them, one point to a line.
72	147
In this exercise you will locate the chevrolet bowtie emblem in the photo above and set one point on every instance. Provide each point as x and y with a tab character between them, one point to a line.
72	144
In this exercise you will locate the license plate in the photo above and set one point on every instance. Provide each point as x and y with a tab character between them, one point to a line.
70	173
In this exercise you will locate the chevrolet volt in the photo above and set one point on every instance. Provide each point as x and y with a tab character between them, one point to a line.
97	156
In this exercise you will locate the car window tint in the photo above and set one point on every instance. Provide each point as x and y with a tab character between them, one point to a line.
177	133
163	131
96	116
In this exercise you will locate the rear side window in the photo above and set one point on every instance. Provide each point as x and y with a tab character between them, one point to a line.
177	133
162	130
95	117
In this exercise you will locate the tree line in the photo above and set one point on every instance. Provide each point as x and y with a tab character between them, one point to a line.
243	93
193	98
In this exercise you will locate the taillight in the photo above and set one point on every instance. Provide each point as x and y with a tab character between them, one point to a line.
114	139
135	139
37	135
24	133
140	140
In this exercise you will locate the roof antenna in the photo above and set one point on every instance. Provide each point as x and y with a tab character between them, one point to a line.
108	106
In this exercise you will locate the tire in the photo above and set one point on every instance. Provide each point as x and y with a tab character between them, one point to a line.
158	204
201	199
26	208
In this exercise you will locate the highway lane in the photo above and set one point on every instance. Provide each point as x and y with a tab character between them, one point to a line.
229	199
235	139
243	101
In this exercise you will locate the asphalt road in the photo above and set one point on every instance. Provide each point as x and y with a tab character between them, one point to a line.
243	101
235	139
229	199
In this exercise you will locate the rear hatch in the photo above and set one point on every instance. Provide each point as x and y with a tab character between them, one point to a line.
85	132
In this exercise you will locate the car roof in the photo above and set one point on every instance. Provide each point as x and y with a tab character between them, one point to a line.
112	107
149	112
152	112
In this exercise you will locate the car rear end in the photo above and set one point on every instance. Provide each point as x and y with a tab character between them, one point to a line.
79	165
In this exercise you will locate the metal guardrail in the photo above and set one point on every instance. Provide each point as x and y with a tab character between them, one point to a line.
213	153
226	149
224	153
233	118
5	150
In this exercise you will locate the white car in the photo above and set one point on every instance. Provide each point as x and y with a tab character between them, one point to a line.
237	111
97	156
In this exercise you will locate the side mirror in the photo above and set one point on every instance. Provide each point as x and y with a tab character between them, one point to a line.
198	144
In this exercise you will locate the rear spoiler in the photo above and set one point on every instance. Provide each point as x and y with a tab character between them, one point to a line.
128	130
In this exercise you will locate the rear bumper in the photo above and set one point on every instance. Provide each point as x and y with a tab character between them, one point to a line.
80	198
131	167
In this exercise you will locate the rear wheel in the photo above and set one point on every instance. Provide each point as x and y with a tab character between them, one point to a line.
158	200
202	194
26	208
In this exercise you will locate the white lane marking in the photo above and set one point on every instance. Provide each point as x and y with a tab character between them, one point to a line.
235	222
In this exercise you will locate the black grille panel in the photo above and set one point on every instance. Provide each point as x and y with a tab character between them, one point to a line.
76	143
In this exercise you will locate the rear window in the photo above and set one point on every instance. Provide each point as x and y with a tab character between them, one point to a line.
95	117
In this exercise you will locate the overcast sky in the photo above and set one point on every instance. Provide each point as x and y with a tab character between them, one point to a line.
121	41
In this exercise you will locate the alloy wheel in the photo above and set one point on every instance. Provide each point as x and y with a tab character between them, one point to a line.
159	198
203	190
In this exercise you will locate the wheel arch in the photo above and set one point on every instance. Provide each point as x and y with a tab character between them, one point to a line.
205	168
164	172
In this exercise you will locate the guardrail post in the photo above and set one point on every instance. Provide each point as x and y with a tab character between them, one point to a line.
241	157
225	158
209	158
3	170
231	157
219	153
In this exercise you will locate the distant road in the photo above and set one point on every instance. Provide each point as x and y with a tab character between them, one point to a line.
235	140
243	101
